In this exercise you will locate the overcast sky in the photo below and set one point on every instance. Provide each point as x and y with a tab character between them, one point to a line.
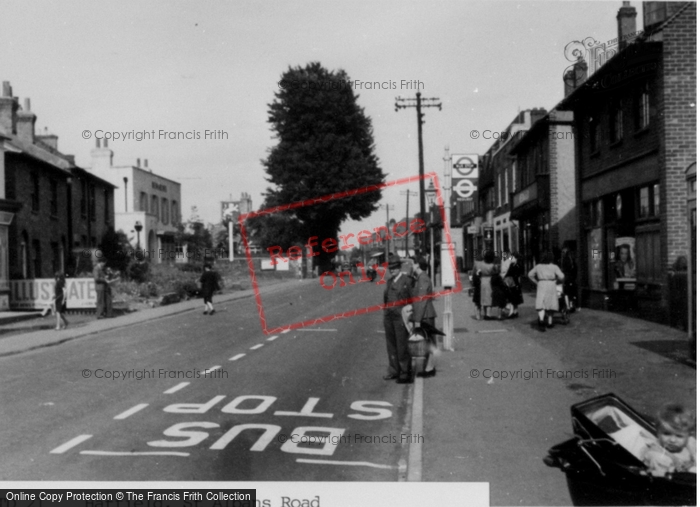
204	65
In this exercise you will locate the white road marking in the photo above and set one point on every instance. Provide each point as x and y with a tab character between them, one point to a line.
237	357
207	372
70	444
176	388
317	329
126	453
349	463
272	338
285	331
254	347
131	411
493	331
415	450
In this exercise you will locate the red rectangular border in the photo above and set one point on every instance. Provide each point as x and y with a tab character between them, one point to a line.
299	204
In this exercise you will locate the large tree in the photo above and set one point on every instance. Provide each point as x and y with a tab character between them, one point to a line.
325	146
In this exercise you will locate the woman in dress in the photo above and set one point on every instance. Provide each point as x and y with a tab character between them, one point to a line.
512	280
485	270
60	296
545	275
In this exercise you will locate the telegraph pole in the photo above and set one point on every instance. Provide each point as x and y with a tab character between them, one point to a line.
386	247
419	103
408	194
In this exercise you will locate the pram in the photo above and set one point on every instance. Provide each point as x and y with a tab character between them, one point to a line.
603	463
564	308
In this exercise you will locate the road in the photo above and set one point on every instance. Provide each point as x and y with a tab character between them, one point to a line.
269	408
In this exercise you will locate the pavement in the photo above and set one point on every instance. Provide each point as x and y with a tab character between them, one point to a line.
24	331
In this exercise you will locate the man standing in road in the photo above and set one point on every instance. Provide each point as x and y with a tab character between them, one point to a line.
398	288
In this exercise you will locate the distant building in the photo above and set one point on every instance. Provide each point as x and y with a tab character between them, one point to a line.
51	211
145	198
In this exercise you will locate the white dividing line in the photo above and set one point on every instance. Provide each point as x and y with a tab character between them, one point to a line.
493	331
237	357
213	368
126	453
285	331
415	450
272	338
254	347
317	329
131	411
70	444
349	463
176	388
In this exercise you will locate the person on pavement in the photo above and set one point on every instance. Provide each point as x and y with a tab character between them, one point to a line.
398	288
424	312
210	284
104	293
59	301
545	275
486	269
570	270
511	279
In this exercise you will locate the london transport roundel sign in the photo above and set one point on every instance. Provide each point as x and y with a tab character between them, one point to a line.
463	166
465	188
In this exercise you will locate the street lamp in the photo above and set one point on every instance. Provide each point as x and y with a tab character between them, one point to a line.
138	228
431	196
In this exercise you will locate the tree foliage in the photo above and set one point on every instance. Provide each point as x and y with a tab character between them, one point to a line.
325	146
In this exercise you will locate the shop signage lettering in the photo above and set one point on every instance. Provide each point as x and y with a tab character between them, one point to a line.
37	294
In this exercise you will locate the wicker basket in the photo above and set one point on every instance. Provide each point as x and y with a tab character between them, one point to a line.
418	347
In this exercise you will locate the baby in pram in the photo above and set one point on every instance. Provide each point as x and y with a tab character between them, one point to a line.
675	450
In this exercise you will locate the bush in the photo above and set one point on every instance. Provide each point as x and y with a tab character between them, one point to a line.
148	290
186	288
138	271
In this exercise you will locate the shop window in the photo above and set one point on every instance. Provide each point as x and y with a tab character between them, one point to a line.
642	109
649	256
616	115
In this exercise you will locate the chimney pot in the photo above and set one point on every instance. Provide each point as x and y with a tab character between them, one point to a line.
145	162
6	89
626	25
27	105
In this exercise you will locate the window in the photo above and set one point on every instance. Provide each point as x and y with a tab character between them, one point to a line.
36	252
649	201
83	198
641	115
91	202
498	189
54	197
616	121
143	202
106	201
55	257
174	215
35	191
164	210
154	205
594	134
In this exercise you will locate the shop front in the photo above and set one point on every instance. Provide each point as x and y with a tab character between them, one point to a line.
529	208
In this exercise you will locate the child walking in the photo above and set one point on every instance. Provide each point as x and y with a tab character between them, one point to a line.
210	284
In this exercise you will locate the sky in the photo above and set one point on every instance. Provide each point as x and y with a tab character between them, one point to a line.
192	66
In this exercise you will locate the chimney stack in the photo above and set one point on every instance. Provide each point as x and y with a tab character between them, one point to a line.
25	123
575	77
138	162
49	139
8	110
101	157
626	25
145	163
